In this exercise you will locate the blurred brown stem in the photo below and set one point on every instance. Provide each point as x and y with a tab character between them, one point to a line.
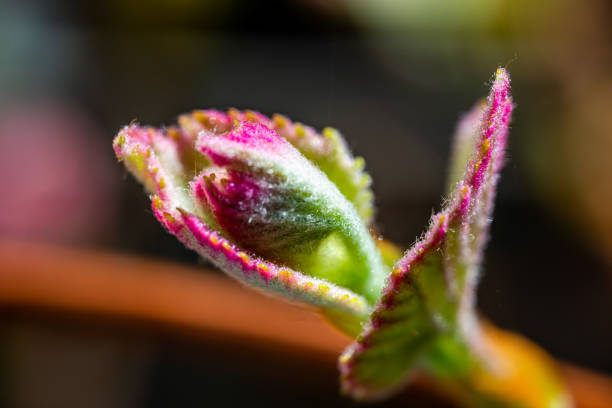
179	298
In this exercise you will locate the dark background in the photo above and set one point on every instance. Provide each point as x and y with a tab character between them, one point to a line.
394	76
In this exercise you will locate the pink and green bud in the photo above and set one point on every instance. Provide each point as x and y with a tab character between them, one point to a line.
253	188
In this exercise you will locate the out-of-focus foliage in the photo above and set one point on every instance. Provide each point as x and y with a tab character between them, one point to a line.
560	48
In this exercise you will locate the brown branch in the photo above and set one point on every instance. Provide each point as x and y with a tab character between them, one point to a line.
179	298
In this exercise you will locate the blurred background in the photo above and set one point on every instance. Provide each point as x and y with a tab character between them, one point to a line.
394	76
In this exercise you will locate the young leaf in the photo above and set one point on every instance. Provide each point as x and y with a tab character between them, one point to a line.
426	312
260	273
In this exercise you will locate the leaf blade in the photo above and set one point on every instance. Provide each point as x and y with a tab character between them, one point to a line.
440	271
